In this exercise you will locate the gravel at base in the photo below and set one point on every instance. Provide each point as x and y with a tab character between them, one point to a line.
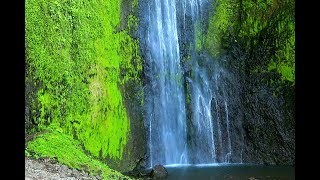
51	170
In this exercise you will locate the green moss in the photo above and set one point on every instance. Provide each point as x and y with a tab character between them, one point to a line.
79	61
287	72
134	4
68	151
256	25
220	22
132	22
199	38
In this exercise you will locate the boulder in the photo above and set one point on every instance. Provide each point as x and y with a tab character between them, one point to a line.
159	172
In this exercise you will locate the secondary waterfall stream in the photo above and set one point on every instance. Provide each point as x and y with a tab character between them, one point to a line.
186	100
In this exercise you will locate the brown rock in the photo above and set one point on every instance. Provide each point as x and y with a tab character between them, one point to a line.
159	172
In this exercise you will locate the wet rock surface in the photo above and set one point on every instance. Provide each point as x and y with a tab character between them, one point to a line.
159	172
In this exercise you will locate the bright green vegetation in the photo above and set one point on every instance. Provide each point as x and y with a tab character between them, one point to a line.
220	22
67	150
265	29
199	38
78	60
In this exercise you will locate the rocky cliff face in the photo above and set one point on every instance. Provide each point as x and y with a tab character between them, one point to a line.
83	76
133	99
254	42
269	125
265	132
261	114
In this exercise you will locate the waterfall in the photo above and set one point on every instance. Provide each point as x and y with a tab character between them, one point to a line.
186	105
166	101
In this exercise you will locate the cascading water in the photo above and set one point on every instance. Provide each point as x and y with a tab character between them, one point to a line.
187	109
202	144
166	104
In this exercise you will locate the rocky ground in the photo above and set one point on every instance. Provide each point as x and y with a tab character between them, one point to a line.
51	170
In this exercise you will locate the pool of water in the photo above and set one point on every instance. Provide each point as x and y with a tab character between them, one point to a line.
230	171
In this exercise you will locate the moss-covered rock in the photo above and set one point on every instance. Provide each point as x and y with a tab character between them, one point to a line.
80	62
254	40
261	28
68	151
